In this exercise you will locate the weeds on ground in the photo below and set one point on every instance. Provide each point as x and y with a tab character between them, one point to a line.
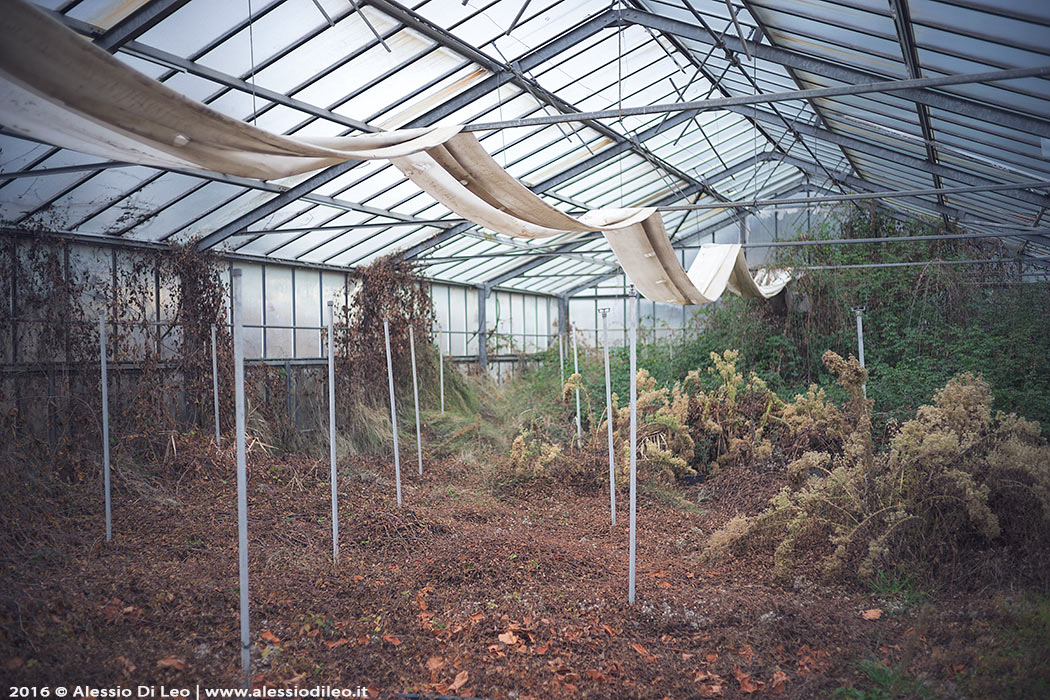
895	584
1014	661
884	682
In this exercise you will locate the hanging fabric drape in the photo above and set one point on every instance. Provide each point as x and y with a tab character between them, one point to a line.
60	88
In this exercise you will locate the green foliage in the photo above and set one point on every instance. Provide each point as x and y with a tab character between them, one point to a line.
923	324
884	682
1015	658
894	583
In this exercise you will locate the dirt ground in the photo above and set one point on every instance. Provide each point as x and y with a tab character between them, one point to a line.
467	589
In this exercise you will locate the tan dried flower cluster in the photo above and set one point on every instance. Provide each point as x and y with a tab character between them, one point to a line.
954	479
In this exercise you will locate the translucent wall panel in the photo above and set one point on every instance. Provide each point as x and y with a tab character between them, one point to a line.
252	308
284	308
308	312
278	318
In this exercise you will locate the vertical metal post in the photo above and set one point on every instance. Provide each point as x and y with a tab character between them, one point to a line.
415	392
242	471
288	392
561	359
105	423
215	385
576	370
483	333
331	431
859	311
441	370
633	446
608	415
393	410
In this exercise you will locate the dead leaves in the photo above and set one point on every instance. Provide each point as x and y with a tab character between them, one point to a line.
643	652
509	638
392	640
172	663
812	660
873	614
747	685
461	680
270	637
711	684
115	610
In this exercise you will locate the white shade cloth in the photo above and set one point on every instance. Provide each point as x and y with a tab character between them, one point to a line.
59	88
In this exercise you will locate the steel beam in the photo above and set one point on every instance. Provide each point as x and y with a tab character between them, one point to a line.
905	160
233	82
542	258
483	351
62	170
857	183
845	74
468	96
906	38
768	98
598	279
550	183
850	197
518	70
138	23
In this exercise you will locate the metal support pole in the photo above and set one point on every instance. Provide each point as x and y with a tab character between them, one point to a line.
242	471
105	424
415	392
393	410
633	445
561	359
331	431
859	311
563	328
215	386
441	370
609	415
483	335
576	371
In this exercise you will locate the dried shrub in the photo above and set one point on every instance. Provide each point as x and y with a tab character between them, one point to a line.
532	456
160	305
389	288
665	446
958	488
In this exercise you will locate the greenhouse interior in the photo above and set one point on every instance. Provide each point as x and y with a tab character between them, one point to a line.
525	348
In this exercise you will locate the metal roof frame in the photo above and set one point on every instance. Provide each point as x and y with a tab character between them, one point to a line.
893	144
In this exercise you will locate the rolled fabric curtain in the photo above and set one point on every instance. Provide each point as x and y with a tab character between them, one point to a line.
64	90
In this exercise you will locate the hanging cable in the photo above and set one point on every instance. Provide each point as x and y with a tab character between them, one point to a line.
619	85
251	59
